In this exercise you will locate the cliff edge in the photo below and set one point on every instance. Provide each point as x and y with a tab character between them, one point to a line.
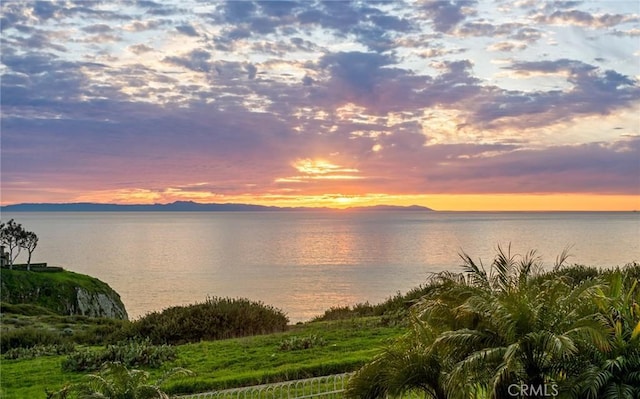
63	292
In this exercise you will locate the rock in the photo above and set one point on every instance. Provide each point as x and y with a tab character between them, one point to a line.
97	304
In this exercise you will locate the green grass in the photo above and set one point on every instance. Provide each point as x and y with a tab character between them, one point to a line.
23	379
230	363
23	278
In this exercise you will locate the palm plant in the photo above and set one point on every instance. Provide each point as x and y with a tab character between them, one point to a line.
615	373
522	337
115	381
524	328
408	366
480	332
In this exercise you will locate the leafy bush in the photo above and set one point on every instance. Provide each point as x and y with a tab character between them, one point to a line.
40	350
28	337
392	309
575	273
216	318
299	343
131	353
101	331
395	318
337	313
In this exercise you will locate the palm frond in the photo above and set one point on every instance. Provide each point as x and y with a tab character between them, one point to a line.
635	334
618	391
459	344
367	382
174	372
562	258
476	273
530	265
509	371
502	270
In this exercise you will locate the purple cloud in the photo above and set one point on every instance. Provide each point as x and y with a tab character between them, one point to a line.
187	30
445	15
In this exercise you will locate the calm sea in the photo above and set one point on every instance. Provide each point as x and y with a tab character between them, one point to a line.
306	262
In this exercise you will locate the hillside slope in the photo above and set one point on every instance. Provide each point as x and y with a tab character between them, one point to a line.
63	292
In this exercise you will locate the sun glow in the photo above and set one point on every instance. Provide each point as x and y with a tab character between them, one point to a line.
345	200
319	167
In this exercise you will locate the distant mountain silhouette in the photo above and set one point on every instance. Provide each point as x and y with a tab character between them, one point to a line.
184	206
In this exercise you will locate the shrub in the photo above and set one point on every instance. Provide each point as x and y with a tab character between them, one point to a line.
28	337
336	313
39	350
299	343
102	331
395	318
391	309
216	318
576	273
131	353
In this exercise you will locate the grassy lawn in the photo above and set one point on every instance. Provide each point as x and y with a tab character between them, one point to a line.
22	379
345	346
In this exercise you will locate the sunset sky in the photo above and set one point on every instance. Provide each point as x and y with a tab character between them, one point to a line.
455	105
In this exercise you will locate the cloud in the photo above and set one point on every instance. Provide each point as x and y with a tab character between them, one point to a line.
507	46
369	24
555	66
359	71
278	8
48	78
634	32
252	70
238	11
196	60
187	30
141	26
140	49
527	34
586	19
97	28
44	9
585	168
38	40
445	15
593	91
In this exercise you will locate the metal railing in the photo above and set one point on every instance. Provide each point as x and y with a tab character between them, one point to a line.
327	387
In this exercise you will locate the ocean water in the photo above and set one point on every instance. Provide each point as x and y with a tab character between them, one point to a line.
306	262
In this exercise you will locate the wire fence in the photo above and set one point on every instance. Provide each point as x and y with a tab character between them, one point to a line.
327	387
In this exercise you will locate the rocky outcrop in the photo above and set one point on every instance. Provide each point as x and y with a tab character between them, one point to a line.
98	304
64	292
